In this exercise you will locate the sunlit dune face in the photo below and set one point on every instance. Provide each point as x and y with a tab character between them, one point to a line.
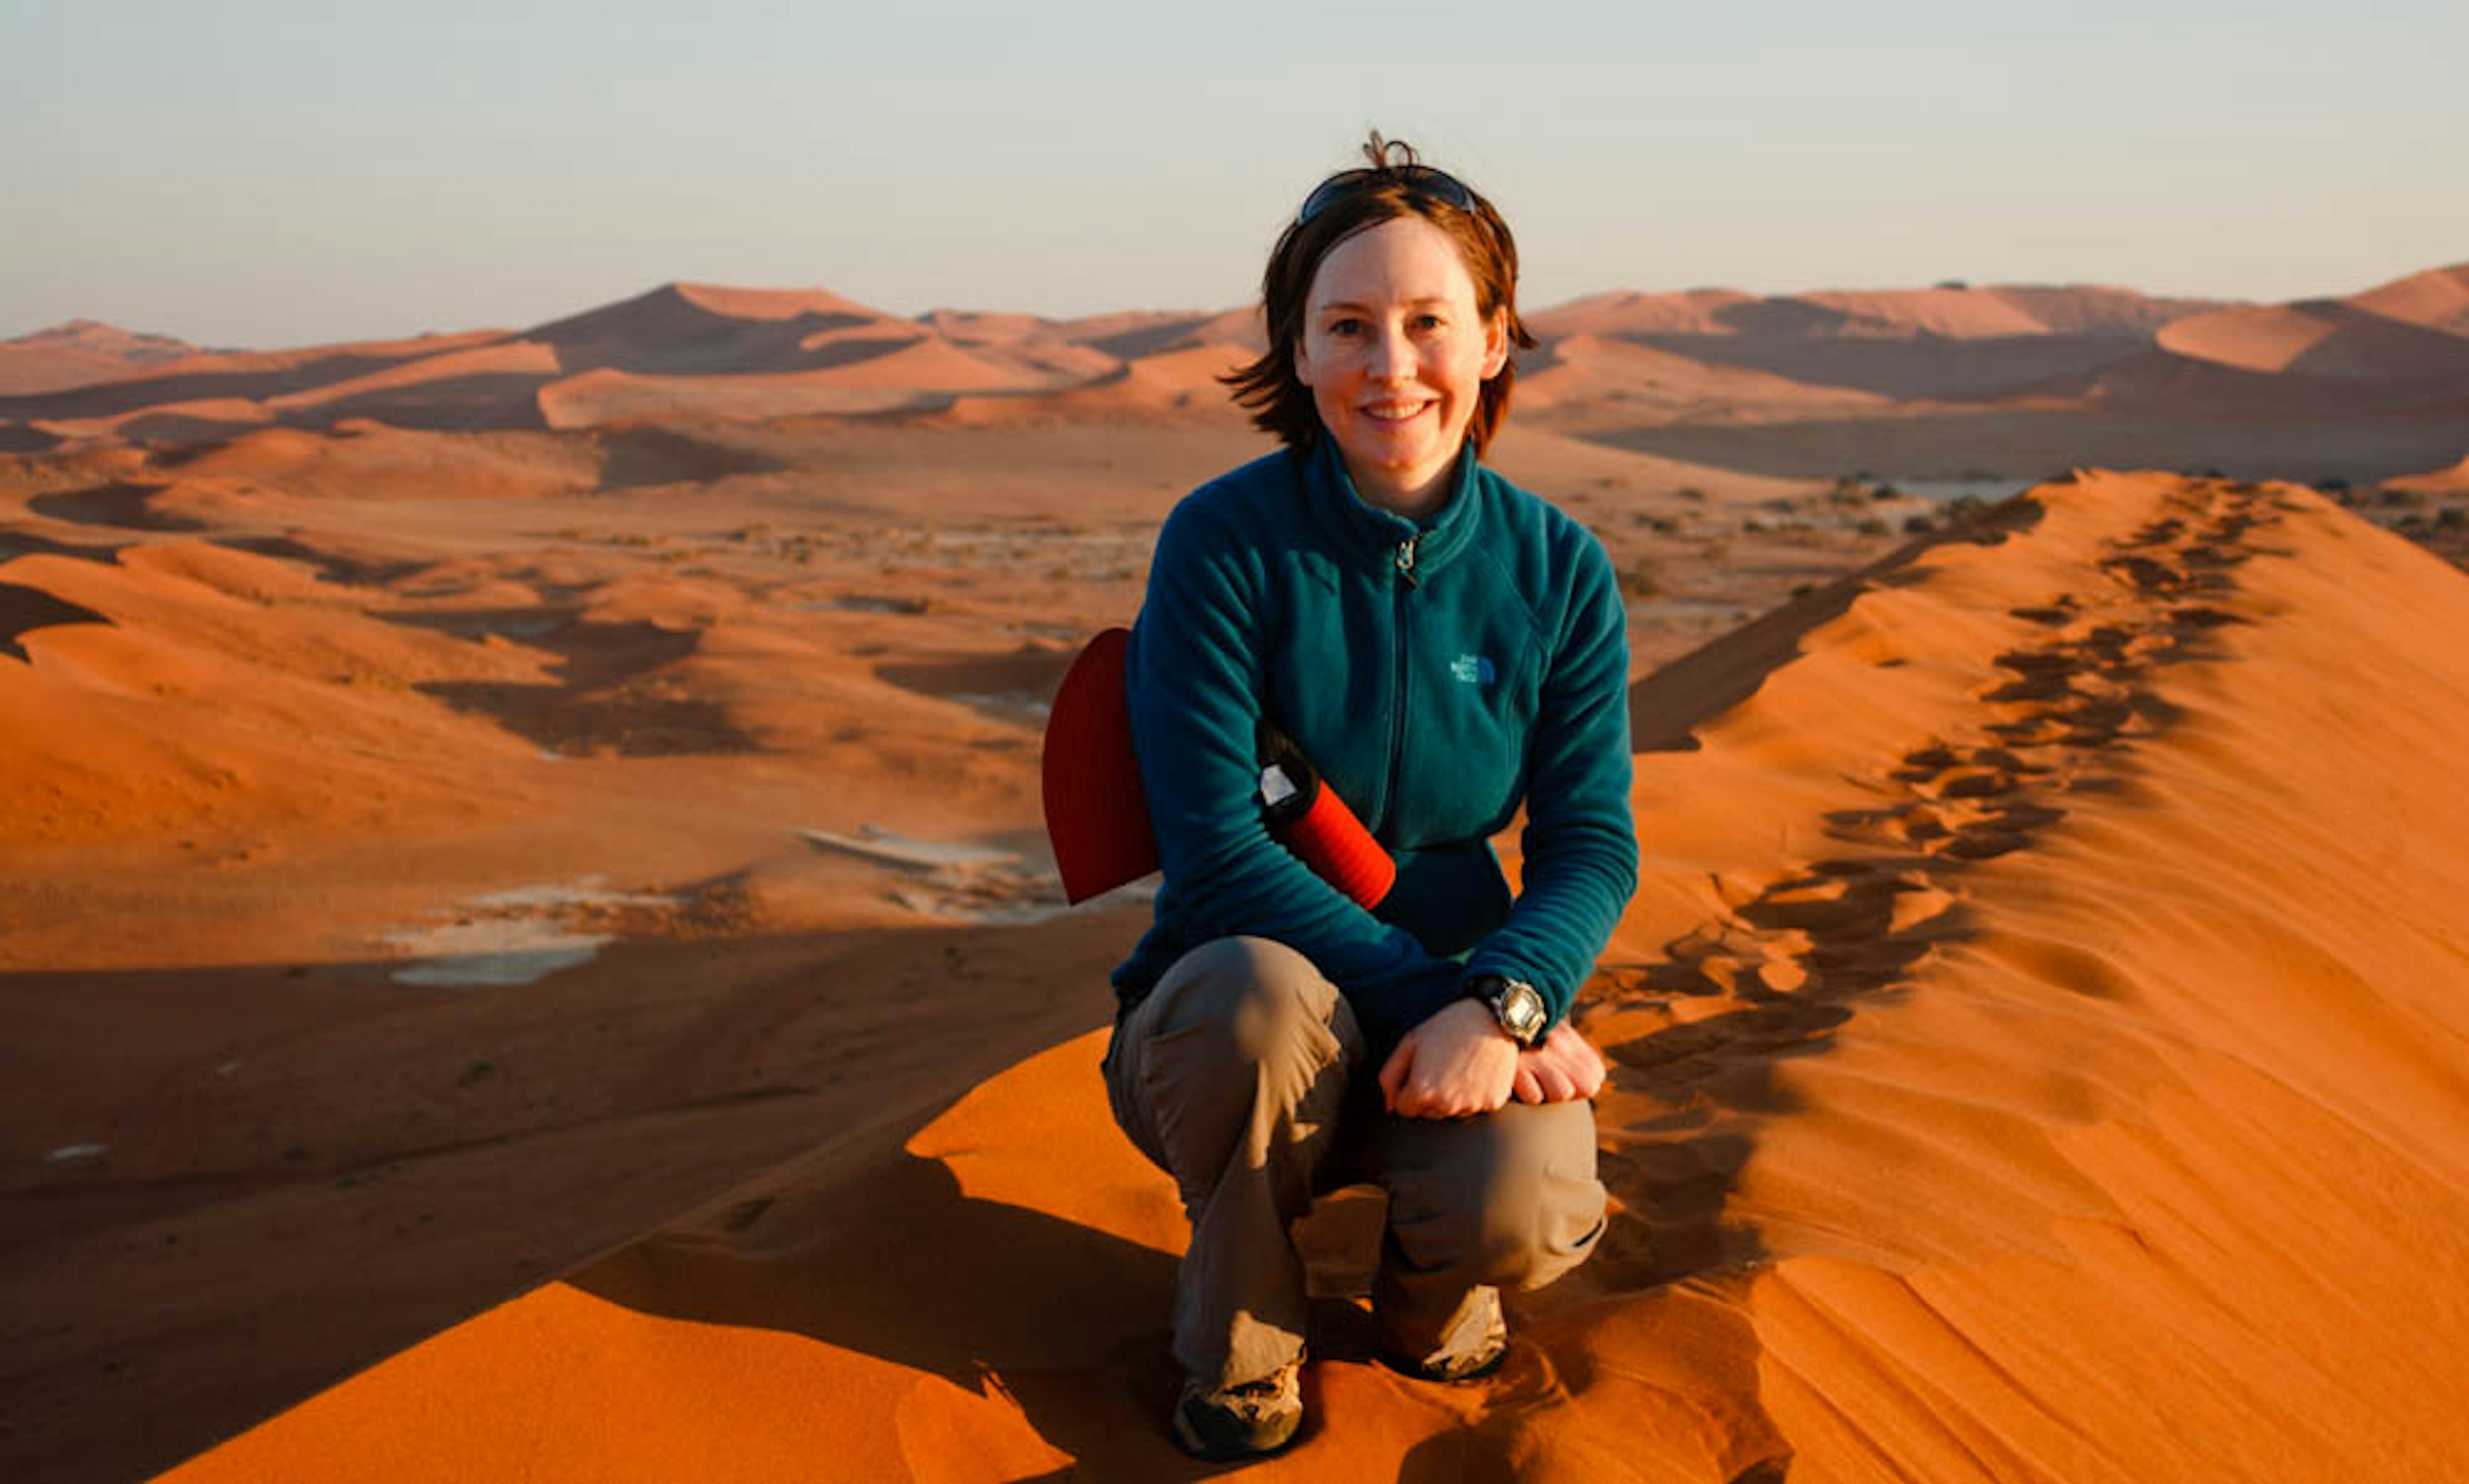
1395	354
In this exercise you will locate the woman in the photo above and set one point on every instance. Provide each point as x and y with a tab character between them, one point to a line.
1443	648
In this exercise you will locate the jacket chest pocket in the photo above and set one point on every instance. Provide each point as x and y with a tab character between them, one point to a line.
1470	702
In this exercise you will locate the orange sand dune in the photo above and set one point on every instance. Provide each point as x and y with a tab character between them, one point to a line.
915	372
987	325
1141	333
1048	344
1627	378
2094	308
2037	1055
1696	311
1180	383
1954	313
251	375
1800	341
199	420
686	329
2437	299
1927	343
2454	481
79	353
2322	337
1192	368
687	351
2008	310
1036	350
788	304
454	379
189	709
358	457
409	348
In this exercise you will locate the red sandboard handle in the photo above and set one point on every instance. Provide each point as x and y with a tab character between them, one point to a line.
1307	817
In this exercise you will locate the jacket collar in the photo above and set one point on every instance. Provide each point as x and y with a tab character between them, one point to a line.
1331	494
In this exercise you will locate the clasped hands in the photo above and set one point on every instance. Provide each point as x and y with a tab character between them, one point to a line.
1459	1062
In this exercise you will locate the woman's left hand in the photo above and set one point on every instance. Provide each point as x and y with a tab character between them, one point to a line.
1564	1067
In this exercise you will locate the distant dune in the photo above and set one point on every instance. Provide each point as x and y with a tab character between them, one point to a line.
2454	481
2437	299
1650	371
1584	370
2321	338
80	353
2036	1055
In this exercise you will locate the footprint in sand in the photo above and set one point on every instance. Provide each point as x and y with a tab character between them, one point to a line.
1692	1038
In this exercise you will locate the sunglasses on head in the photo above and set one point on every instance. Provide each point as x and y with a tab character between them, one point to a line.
1422	179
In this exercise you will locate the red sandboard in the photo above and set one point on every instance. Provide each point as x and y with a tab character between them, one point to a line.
1096	813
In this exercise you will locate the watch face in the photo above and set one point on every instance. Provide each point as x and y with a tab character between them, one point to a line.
1521	1011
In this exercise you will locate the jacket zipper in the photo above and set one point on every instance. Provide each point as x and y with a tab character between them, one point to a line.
1397	709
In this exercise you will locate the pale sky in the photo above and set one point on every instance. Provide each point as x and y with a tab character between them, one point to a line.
279	172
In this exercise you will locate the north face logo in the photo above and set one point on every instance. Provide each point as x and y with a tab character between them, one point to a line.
1471	670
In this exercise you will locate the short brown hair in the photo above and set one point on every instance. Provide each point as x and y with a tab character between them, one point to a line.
1397	184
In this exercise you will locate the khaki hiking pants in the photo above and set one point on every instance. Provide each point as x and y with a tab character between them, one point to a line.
1234	1076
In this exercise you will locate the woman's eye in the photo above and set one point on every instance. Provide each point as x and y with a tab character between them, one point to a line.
1345	327
1427	321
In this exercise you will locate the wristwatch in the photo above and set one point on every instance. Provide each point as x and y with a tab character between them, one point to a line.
1514	1003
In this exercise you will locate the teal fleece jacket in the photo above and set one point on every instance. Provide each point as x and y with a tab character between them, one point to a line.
1439	674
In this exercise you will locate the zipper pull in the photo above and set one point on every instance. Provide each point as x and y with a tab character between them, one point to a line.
1406	561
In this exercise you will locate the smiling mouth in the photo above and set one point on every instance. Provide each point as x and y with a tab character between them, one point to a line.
1395	412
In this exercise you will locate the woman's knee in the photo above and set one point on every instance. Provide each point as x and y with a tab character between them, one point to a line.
1241	1046
1252	1000
1515	1203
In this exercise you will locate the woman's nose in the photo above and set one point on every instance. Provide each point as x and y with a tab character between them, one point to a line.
1390	354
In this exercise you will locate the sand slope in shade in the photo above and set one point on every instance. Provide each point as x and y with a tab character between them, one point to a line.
2037	1055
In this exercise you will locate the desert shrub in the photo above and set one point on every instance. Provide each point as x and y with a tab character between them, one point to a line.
1918	525
1640	582
1870	526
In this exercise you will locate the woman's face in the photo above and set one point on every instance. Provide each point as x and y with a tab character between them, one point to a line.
1396	356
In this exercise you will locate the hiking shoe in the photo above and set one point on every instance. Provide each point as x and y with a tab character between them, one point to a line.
1228	1424
1473	1366
1459	1368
